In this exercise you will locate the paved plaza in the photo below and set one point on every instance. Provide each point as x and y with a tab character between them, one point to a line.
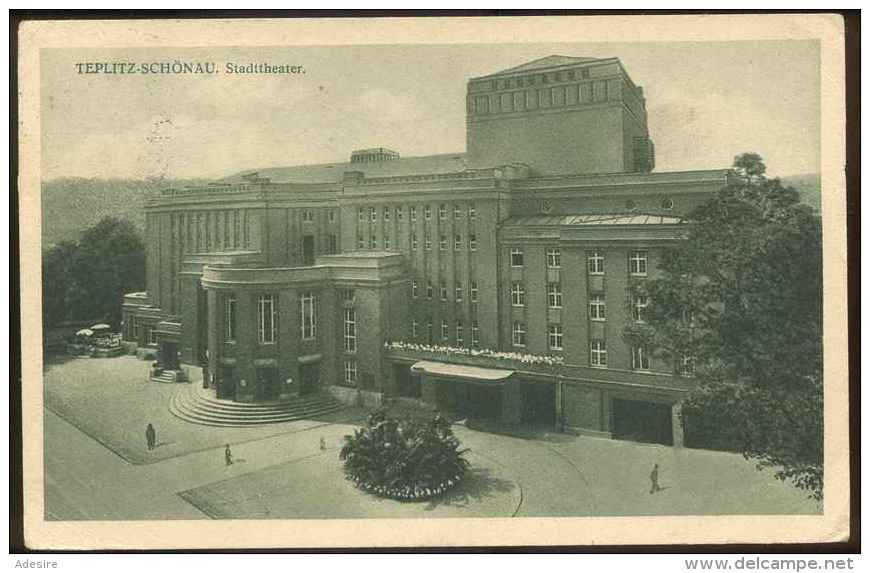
97	466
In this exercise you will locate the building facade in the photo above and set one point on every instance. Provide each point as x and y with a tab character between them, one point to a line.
495	283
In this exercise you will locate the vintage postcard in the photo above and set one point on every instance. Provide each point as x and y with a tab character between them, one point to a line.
433	282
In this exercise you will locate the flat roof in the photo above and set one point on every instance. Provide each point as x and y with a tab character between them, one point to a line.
594	220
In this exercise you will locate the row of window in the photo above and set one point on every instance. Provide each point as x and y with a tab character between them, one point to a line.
445	332
415	242
597	303
458	212
308	215
542	98
442	290
637	260
267	317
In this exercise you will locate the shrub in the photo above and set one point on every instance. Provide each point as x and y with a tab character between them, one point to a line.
404	459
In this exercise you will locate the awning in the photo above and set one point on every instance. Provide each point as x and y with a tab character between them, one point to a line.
460	371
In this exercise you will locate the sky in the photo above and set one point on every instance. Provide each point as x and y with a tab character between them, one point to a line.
706	102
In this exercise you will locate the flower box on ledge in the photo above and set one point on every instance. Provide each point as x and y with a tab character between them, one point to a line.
472	357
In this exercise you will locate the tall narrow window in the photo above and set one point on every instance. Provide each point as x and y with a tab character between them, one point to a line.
442	290
427	212
414	288
236	229
360	242
230	319
350	372
309	315
442	212
266	318
639	303
457	242
475	334
415	329
415	244
445	331
387	245
373	242
457	212
373	214
333	243
442	243
597	307
360	215
554	336
430	291
473	291
687	366
349	330
458	292
598	353
639	358
637	263
471	212
554	295
518	294
516	257
427	241
554	258
429	335
459	334
400	213
519	334
595	261
413	213
386	213
472	242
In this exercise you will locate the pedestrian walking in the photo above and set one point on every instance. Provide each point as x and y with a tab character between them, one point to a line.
150	436
228	455
322	443
654	479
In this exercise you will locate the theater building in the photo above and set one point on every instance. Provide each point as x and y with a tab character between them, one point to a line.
495	283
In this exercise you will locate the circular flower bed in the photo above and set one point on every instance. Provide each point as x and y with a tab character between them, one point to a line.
404	459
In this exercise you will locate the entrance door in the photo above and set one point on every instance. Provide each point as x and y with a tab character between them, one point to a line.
310	378
267	384
642	421
539	402
227	383
169	355
467	400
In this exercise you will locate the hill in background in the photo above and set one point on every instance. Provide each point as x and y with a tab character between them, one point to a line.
72	204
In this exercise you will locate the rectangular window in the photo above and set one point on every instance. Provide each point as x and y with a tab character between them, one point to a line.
236	228
442	242
687	366
475	334
598	353
459	334
597	307
349	330
413	213
373	242
637	263
442	212
360	215
152	335
331	215
554	336
360	242
554	295
472	242
350	372
457	242
442	290
400	213
429	290
230	319
414	288
445	331
595	260
554	258
473	291
387	242
415	328
427	241
457	212
519	334
386	213
266	318
518	294
309	316
639	302
429	335
332	242
458	292
348	295
373	214
135	327
516	257
471	212
639	358
427	212
415	244
307	216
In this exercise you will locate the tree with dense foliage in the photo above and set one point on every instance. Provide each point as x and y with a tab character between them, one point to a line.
404	459
738	305
87	280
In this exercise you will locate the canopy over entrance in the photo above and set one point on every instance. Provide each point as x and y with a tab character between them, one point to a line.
462	372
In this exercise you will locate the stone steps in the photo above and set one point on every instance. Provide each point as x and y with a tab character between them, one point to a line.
164	378
197	406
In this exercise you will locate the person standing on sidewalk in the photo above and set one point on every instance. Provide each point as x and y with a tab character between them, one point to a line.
228	455
150	436
654	478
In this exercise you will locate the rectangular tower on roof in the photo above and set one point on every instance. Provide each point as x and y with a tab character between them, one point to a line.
560	115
